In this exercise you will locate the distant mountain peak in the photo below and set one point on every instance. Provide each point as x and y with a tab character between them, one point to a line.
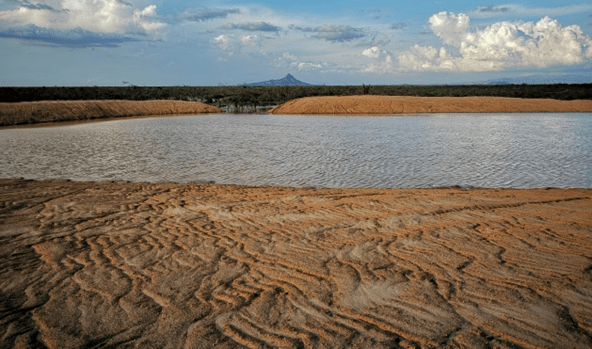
288	80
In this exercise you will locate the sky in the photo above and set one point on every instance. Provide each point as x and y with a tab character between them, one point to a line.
211	43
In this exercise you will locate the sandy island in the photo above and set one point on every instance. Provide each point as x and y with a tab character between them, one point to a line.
112	264
52	111
384	105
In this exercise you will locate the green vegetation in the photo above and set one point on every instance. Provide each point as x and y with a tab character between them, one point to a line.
240	96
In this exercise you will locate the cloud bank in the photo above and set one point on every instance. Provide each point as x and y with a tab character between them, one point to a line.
500	46
489	11
74	38
206	14
333	32
63	22
259	26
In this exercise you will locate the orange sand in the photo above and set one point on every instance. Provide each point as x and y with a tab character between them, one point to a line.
86	264
381	105
51	111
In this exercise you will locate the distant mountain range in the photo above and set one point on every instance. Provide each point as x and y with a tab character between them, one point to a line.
288	80
543	79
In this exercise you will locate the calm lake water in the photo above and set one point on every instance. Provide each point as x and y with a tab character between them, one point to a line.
469	150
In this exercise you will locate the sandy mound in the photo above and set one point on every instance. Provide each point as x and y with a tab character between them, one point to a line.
367	105
50	111
144	265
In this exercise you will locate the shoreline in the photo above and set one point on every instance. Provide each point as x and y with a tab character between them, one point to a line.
28	113
265	186
402	105
88	121
204	265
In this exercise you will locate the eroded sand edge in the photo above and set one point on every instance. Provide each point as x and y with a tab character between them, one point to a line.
87	264
384	105
52	111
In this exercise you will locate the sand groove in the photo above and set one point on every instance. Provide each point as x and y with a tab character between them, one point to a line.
86	264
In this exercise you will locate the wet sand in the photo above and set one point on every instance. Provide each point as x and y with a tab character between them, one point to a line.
111	264
384	105
60	111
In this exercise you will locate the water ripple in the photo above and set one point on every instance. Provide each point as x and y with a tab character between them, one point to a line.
471	150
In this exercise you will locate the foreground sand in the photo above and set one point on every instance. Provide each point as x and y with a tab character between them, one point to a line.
367	105
52	111
86	264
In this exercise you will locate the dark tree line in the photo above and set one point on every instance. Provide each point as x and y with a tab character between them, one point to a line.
240	96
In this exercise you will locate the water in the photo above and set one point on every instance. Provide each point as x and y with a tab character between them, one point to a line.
469	150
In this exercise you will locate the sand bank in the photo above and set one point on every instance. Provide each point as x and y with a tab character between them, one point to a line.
86	264
384	105
52	111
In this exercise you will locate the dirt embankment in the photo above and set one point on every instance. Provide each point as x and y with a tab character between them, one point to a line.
52	111
384	105
86	264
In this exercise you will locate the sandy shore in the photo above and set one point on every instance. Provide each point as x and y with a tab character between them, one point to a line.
52	111
87	264
384	105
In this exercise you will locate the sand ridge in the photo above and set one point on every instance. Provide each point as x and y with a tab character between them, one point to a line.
384	105
112	264
52	111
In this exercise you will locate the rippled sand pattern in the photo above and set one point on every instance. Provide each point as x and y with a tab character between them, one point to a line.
87	264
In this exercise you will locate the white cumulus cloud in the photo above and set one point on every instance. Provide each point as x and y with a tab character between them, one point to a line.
249	39
382	60
233	44
222	41
290	61
449	27
372	52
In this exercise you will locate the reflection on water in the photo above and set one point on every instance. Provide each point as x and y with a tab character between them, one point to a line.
480	150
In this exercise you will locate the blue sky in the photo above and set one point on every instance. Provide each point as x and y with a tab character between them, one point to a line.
205	43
